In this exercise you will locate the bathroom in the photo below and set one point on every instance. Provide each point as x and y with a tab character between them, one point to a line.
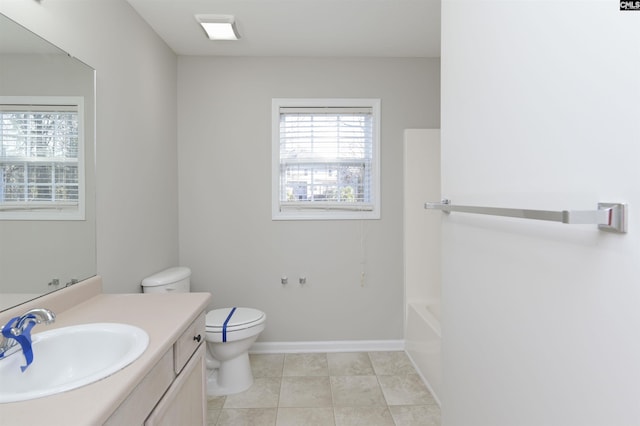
533	313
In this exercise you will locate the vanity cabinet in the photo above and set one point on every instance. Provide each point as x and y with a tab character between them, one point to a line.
173	393
183	404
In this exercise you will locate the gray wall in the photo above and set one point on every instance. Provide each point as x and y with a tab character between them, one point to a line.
137	193
227	236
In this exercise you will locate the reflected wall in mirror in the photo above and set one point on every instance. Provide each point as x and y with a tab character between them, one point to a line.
39	255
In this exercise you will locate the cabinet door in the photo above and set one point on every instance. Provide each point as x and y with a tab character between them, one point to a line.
185	401
146	395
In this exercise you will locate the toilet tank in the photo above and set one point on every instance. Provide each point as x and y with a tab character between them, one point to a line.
174	280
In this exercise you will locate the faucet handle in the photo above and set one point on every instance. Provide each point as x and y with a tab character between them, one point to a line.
18	330
22	336
10	330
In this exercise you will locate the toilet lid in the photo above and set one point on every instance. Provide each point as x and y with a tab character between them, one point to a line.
240	319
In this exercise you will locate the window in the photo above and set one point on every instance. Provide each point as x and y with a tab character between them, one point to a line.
326	162
41	158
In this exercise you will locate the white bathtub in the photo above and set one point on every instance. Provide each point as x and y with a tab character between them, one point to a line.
422	342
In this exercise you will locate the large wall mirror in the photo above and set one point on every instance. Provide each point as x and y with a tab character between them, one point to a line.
42	247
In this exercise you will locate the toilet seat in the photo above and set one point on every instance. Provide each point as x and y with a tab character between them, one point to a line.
241	319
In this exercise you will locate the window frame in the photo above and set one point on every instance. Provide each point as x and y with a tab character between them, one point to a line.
319	211
54	211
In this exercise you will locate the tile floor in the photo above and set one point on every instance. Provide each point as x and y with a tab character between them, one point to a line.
338	389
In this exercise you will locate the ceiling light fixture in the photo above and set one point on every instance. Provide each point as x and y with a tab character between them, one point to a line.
219	27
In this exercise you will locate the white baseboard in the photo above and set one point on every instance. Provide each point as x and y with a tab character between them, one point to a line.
327	346
423	378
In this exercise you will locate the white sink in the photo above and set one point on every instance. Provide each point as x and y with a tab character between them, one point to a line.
70	357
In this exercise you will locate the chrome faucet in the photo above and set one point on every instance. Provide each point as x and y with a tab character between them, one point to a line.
21	327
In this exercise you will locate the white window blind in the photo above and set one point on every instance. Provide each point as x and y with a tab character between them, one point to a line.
40	159
327	165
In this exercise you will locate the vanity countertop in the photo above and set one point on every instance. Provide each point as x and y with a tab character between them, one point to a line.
163	316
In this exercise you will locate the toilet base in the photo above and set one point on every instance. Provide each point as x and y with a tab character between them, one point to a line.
232	376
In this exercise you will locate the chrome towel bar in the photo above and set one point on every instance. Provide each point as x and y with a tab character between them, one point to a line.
611	217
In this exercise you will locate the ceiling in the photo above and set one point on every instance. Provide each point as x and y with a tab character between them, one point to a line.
342	28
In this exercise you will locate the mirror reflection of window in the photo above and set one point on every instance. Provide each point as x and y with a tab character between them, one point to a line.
41	161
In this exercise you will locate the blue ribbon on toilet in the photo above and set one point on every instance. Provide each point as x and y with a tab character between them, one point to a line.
224	326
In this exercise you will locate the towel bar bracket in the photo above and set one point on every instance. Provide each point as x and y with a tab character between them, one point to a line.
617	217
610	217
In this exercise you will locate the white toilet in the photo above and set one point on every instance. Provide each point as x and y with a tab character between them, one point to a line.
230	334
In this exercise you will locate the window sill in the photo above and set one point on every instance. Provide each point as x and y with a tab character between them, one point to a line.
325	215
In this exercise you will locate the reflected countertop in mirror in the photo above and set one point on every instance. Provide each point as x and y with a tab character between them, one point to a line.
38	256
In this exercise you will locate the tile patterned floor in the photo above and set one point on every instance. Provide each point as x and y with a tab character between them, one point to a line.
332	389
